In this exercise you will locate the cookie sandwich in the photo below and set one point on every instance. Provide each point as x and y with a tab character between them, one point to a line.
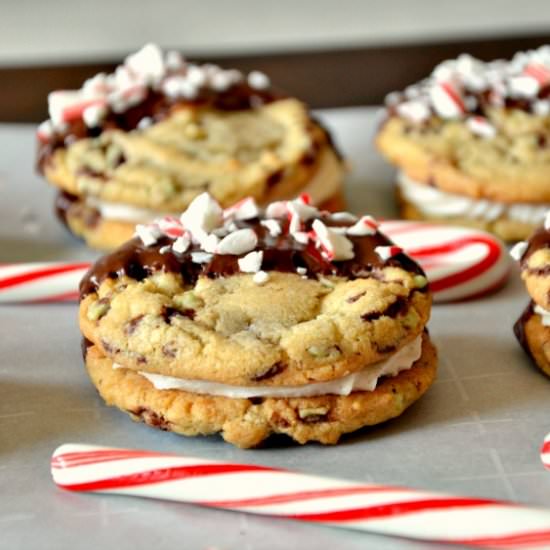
144	141
472	144
532	329
248	322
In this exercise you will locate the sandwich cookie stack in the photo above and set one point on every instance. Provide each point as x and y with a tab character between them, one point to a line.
249	322
472	144
532	329
144	141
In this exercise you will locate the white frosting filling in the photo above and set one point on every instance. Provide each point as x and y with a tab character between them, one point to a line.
123	212
364	380
431	201
544	315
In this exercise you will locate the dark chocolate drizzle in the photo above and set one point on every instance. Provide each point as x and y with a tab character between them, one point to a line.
282	253
539	239
519	327
157	106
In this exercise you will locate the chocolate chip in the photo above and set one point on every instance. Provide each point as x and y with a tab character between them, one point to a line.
256	400
132	325
277	419
109	348
169	312
84	345
393	310
272	371
168	350
152	418
314	418
353	299
274	178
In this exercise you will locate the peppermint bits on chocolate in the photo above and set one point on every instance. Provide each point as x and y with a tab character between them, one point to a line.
387	252
253	238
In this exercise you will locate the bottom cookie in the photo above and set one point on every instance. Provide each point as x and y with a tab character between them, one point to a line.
534	337
247	422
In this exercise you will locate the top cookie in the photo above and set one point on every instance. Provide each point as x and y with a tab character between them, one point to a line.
475	128
160	131
286	297
534	258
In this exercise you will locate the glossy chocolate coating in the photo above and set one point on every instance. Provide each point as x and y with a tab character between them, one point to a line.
282	253
539	239
519	327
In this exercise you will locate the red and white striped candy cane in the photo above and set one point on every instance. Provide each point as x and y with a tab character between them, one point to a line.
41	281
460	263
545	452
382	509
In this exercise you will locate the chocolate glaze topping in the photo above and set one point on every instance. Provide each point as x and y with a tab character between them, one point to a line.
157	106
519	327
282	253
539	239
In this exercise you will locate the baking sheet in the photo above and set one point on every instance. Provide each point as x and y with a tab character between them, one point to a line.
476	432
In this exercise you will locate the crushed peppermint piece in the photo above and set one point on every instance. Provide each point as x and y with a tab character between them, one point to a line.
181	244
45	130
165	249
258	80
301	270
276	210
210	243
261	277
201	257
519	249
252	262
301	237
345	217
273	226
336	247
447	100
245	209
238	242
524	86
541	107
202	216
173	60
93	115
367	225
147	63
149	234
547	221
302	209
171	227
387	252
145	122
480	126
416	111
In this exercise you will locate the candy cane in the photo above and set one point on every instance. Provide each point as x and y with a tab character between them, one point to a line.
381	509
545	452
460	263
41	281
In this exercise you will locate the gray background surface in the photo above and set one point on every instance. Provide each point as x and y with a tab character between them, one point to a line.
476	432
